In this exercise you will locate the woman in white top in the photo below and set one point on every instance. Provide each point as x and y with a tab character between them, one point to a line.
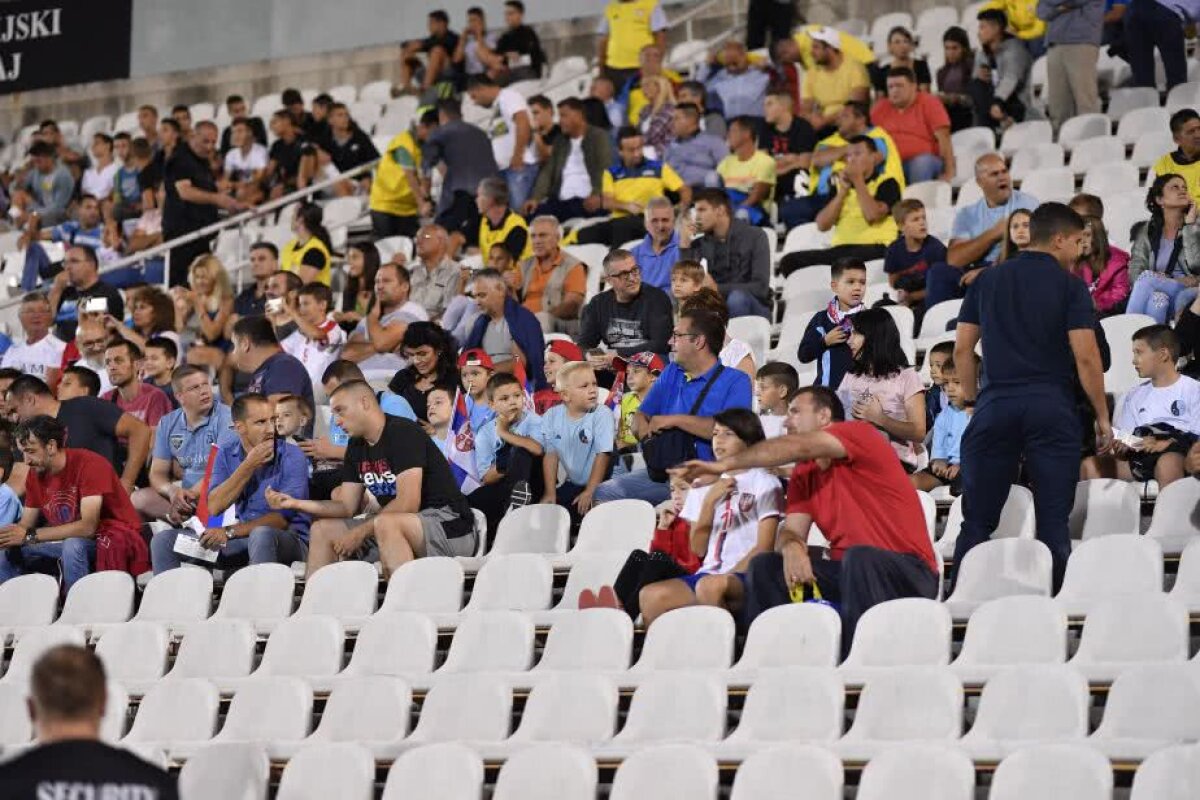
735	354
733	519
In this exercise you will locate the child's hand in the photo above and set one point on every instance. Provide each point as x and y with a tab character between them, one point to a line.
666	516
938	467
951	472
870	410
836	336
1152	444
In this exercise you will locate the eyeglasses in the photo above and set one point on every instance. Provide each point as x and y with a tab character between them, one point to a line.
193	389
627	275
683	335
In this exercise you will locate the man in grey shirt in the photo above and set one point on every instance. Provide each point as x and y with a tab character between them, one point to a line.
734	253
467	153
694	154
1000	88
435	276
1073	31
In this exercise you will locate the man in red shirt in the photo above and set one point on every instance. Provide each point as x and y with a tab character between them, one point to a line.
848	481
123	363
919	125
83	509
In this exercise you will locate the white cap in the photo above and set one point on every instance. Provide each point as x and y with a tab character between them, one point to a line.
828	36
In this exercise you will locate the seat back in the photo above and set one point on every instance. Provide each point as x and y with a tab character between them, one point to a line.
491	641
539	528
447	771
432	584
474	708
1018	629
908	631
909	771
696	637
1172	773
177	710
512	582
1053	771
342	589
1105	506
1153	701
268	710
259	591
104	597
596	639
230	770
305	646
339	769
793	635
1004	567
777	771
793	704
394	643
28	601
580	708
667	772
135	651
547	771
366	709
16	728
177	595
590	570
33	644
216	648
1113	565
676	705
909	703
1042	702
619	526
1138	628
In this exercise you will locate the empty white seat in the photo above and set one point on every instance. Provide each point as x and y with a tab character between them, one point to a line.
513	582
1016	520
267	711
1176	524
1053	184
1149	707
792	635
1111	566
230	771
447	771
491	641
695	637
372	710
1025	133
464	708
918	772
376	91
934	194
1149	146
330	769
391	643
27	601
16	728
176	711
1184	94
134	652
302	647
792	704
1032	157
933	325
1105	506
672	706
1149	628
260	593
999	568
1110	177
620	526
346	591
547	771
539	528
431	585
1122	101
99	598
33	644
116	713
911	631
1187	581
1021	706
1172	773
1051	772
598	639
1008	631
1082	127
666	772
755	331
579	708
976	140
904	704
589	570
219	650
806	237
177	596
778	770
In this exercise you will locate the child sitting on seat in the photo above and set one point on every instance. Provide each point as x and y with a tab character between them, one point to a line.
641	371
944	466
579	434
828	331
508	448
475	367
910	256
687	278
935	398
439	411
774	386
558	353
292	415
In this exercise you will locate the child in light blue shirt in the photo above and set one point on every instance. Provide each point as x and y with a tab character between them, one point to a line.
508	452
10	504
945	460
579	434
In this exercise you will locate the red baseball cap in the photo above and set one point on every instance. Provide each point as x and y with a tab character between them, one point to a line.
568	350
476	357
647	360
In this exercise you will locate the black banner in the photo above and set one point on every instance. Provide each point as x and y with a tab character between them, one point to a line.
44	43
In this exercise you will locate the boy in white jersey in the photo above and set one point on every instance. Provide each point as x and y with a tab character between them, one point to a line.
317	341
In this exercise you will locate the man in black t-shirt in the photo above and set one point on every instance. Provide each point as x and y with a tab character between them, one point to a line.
439	46
519	48
291	161
421	510
790	139
75	285
69	694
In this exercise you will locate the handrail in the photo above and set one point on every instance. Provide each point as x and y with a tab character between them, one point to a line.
691	14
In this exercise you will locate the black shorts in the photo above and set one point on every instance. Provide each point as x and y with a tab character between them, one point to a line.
462	217
1142	465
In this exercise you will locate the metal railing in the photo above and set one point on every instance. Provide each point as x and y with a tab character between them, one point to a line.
691	14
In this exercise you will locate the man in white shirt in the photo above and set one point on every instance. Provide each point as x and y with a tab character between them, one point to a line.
247	160
511	133
374	343
317	341
98	178
570	183
41	353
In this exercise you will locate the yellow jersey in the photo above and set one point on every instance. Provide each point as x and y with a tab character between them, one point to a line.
292	258
630	27
853	48
852	227
390	192
639	184
1190	172
489	237
892	166
1022	17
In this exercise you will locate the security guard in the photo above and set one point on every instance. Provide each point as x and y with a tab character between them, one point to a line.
1036	322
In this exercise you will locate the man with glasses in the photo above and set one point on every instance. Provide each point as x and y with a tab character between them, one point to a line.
182	442
434	277
75	285
631	317
659	251
553	282
695	379
87	350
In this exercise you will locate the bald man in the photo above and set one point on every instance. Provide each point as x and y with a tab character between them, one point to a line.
434	277
420	508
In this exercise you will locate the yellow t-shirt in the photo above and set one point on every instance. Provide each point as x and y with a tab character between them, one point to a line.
853	48
639	184
742	175
390	192
852	227
831	88
292	258
488	237
629	30
1190	173
630	403
1022	17
892	166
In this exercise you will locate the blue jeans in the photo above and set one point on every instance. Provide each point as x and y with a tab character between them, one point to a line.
925	167
1159	296
74	556
264	545
520	185
634	485
743	304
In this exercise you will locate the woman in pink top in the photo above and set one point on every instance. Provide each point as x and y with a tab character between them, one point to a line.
1109	284
881	388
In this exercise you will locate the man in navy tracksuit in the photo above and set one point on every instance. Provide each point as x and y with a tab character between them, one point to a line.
1036	322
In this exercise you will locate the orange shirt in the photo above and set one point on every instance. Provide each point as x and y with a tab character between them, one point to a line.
576	281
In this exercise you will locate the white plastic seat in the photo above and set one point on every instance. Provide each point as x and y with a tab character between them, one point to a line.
268	711
260	594
376	91
933	325
588	571
666	772
883	23
1184	94
905	321
134	652
16	728
784	705
598	639
1118	330
1149	707
695	637
116	713
1150	146
344	93
302	647
466	708
1105	506
27	601
1187	580
934	194
1103	149
672	706
372	710
806	237
176	711
968	193
32	644
791	635
1176	522
177	597
548	771
918	772
218	650
977	140
1172	773
513	582
1051	772
755	331
99	598
778	770
1150	628
1122	101
230	771
539	528
1032	157
1016	520
331	769
447	771
1111	566
1000	568
490	641
1050	184
577	708
1010	631
904	704
430	585
1082	127
1025	133
346	591
391	644
910	631
1033	704
103	124
1110	178
621	526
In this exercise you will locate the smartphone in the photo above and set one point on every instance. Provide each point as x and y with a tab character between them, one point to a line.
274	305
95	305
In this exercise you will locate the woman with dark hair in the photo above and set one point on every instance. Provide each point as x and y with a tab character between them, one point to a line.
954	76
1104	268
881	388
362	262
310	254
152	313
431	365
900	45
1164	263
1017	238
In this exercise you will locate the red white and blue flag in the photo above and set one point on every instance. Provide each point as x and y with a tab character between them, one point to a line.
229	516
526	383
460	446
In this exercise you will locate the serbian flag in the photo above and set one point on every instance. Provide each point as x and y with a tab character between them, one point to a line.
526	384
460	446
613	401
213	520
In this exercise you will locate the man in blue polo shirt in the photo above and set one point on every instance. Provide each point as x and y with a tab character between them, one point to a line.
273	373
978	231
182	442
697	338
1036	322
658	252
242	472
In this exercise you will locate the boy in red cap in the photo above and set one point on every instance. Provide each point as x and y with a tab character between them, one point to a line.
641	370
558	353
475	367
